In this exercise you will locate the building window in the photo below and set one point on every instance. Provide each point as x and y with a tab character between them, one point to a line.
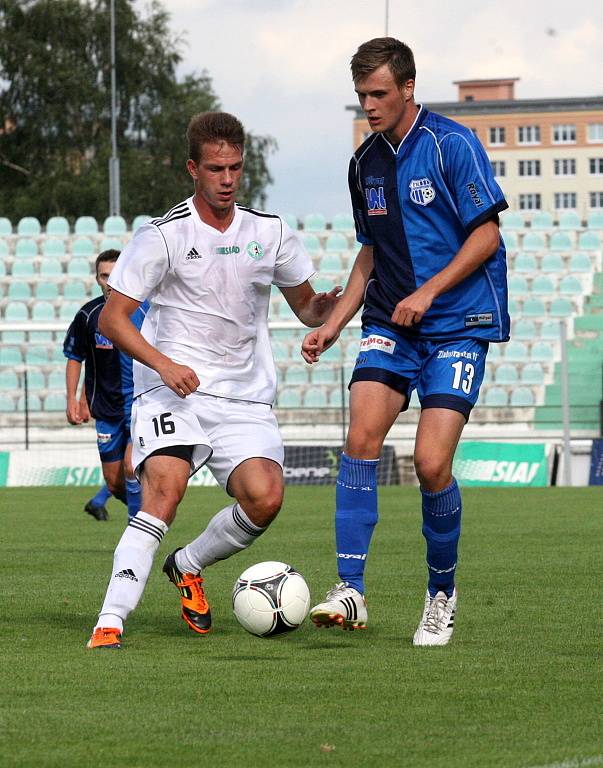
496	135
566	166
529	167
564	134
595	165
529	202
596	199
499	168
565	200
594	133
528	134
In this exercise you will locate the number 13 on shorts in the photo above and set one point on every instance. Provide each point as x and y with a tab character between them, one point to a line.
463	376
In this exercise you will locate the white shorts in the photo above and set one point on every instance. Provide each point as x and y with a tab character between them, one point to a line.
224	432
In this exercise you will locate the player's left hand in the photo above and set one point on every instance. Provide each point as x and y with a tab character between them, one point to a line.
410	310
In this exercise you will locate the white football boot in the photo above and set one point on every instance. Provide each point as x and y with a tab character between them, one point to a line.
437	623
344	607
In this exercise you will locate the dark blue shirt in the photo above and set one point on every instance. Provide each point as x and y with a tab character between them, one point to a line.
416	204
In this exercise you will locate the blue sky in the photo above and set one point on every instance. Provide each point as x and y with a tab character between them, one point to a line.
283	67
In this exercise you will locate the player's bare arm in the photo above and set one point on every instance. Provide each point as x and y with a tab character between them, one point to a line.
72	378
347	305
85	414
477	248
310	307
114	322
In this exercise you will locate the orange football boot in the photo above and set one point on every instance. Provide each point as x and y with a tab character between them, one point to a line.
195	608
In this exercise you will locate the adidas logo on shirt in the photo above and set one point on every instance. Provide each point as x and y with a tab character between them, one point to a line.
127	573
193	254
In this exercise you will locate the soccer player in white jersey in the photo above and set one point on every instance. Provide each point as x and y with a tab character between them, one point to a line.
204	376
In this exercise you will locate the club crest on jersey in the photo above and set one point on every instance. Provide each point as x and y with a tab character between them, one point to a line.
255	250
102	342
422	191
375	201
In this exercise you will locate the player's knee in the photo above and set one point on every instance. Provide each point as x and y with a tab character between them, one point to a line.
262	509
363	445
433	471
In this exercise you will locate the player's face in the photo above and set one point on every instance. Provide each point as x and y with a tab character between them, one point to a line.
389	107
102	275
217	175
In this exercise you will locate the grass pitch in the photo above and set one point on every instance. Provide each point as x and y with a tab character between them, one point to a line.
518	686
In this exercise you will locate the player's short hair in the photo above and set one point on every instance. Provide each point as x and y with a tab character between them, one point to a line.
384	50
213	127
109	255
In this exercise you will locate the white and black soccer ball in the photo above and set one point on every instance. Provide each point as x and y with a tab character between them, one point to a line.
270	598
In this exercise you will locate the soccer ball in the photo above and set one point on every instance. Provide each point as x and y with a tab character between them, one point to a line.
270	598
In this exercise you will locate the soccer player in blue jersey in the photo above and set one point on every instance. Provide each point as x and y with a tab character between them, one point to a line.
108	384
431	274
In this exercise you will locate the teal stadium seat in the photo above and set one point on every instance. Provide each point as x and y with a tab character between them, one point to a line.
110	244
43	312
311	243
6	227
343	222
86	225
561	307
532	373
589	241
542	220
522	397
314	222
8	380
55	401
75	290
115	226
139	220
289	397
51	268
334	396
542	351
551	262
10	356
512	220
570	286
296	375
324	374
549	330
68	310
19	291
57	226
543	285
331	262
580	262
336	241
56	355
496	397
54	248
25	269
516	351
506	373
510	240
524	330
525	262
316	397
45	291
518	285
26	248
7	403
79	267
36	381
514	307
594	220
560	241
82	247
56	380
533	241
321	284
34	404
16	312
533	306
36	354
291	221
29	226
569	220
280	351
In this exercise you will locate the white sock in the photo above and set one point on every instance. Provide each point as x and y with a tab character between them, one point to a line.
132	563
229	531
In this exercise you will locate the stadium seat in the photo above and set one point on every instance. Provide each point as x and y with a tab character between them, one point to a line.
75	290
139	220
532	373
86	225
289	397
335	399
296	375
82	247
524	330
331	262
512	220
36	381
7	403
311	243
314	222
589	241
561	307
6	228
57	226
280	351
543	285
550	330
518	285
322	373
19	291
514	307
569	220
26	248
332	355
336	241
8	380
525	262
79	267
570	286
551	262
533	241
68	310
34	403
115	226
283	311
45	291
36	354
110	244
43	312
55	401
560	241
516	351
24	269
10	356
510	240
594	220
50	268
496	397
522	397
53	247
16	312
542	351
56	355
542	220
343	222
56	380
29	226
533	306
506	373
316	397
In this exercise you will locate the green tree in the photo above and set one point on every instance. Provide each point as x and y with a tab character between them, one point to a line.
55	96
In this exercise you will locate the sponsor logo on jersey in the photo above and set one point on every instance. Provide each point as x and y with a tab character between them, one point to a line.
457	353
483	318
103	437
377	342
141	440
226	250
255	250
102	342
346	556
193	254
422	191
475	195
375	201
374	181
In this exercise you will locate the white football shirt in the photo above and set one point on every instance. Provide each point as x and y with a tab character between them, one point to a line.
209	293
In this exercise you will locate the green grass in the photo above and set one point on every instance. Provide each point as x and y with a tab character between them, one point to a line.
518	686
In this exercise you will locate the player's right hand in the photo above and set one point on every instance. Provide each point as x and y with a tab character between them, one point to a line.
73	412
316	342
179	378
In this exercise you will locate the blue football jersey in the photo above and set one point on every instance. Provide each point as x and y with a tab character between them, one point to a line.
416	204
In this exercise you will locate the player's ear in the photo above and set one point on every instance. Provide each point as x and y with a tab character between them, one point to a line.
407	89
191	167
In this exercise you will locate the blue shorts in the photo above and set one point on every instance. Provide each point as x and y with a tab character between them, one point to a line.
446	374
112	437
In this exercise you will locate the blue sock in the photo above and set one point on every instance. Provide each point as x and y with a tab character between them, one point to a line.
442	529
133	493
101	498
355	517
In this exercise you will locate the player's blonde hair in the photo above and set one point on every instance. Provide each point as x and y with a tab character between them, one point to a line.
384	50
213	127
